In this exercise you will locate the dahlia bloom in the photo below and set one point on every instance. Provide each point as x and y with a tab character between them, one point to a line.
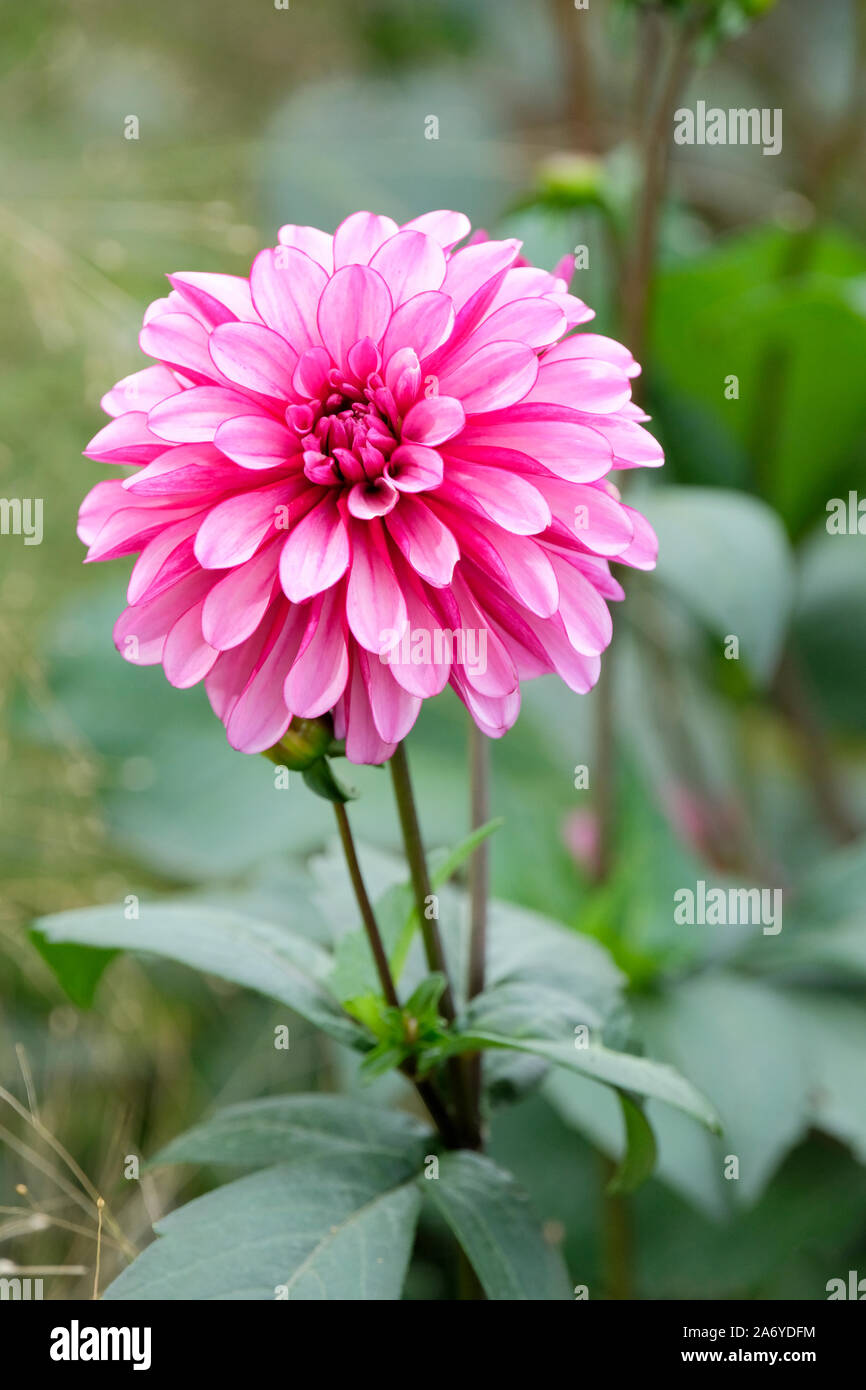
376	467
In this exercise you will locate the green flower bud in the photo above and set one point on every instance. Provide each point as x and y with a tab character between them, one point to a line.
303	743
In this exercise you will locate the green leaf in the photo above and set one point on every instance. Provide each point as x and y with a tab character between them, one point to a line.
78	968
494	1223
250	952
742	1043
335	1226
322	779
639	1158
619	1069
717	550
289	1128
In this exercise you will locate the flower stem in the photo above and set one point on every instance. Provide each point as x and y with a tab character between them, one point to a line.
435	954
368	916
426	1088
479	887
418	872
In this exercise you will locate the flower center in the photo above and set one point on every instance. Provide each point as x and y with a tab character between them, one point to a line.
349	435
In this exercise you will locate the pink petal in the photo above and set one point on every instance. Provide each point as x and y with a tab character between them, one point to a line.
182	342
355	304
505	498
186	471
237	604
375	606
445	227
187	658
254	358
475	266
643	551
321	669
232	532
422	323
424	540
125	440
217	298
433	420
140	391
286	287
583	610
316	552
164	560
310	378
319	246
410	263
594	345
259	717
498	375
257	441
194	415
374	498
569	450
394	710
140	631
415	468
363	741
358	238
586	384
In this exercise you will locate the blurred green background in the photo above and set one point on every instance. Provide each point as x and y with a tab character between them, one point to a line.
748	771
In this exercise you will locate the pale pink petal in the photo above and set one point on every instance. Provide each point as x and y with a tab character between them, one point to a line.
496	376
233	531
216	298
410	263
320	671
257	441
375	606
237	604
415	468
316	552
445	227
355	304
424	540
358	238
286	287
422	323
140	391
434	420
187	658
196	414
127	439
319	246
254	358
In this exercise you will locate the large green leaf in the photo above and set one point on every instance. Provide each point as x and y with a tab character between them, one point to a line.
718	550
278	1129
741	1043
335	1226
492	1219
270	959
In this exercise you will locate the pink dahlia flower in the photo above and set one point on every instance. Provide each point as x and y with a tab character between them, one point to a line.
376	467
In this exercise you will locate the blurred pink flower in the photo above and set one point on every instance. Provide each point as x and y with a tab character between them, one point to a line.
580	834
374	468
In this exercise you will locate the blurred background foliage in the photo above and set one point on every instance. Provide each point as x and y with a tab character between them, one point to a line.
738	772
